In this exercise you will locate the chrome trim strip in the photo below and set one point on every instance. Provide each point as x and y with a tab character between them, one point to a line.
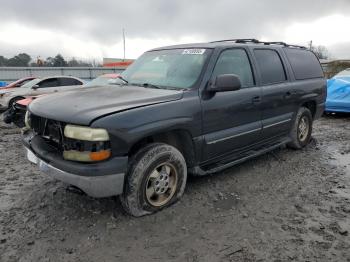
278	123
229	137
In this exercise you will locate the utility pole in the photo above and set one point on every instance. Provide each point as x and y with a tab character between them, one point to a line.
310	45
124	43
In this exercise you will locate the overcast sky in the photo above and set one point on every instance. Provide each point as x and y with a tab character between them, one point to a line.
93	29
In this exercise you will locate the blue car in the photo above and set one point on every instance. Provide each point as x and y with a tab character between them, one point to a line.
338	93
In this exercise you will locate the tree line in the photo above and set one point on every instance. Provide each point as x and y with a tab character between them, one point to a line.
25	60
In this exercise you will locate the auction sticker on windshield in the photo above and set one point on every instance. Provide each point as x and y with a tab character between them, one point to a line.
193	52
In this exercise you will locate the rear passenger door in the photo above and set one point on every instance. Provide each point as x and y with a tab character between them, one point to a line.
231	120
278	98
67	83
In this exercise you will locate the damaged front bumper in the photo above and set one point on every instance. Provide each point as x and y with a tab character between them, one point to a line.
102	179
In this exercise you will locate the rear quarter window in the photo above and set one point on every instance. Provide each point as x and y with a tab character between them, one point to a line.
305	64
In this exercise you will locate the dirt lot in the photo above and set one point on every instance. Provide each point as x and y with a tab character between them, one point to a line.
284	206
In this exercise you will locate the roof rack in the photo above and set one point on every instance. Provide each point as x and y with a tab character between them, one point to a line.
243	40
255	41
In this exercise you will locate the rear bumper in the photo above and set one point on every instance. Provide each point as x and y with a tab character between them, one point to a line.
320	108
101	179
338	106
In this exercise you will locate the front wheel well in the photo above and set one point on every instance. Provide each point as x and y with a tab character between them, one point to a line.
180	139
14	99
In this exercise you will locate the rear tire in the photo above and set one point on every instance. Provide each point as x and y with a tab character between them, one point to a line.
156	179
302	129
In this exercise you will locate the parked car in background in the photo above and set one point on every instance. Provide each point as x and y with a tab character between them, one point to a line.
338	93
38	86
103	80
18	83
197	108
15	113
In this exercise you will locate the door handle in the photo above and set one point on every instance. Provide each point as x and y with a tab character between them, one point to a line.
288	95
256	100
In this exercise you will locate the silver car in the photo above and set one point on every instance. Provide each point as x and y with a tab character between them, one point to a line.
39	86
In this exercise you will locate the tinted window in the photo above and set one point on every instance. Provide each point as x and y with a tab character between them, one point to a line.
235	61
66	81
270	65
51	82
304	63
24	82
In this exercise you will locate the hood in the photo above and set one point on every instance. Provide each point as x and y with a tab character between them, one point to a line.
338	89
83	106
15	91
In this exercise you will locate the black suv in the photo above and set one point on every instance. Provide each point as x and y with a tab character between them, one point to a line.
196	108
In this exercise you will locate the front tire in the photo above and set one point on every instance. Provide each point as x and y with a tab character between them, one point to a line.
14	100
156	179
302	129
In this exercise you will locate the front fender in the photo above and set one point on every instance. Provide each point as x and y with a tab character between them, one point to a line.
128	127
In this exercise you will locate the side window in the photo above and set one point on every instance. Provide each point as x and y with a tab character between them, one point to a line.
270	65
304	63
24	82
66	81
235	61
51	82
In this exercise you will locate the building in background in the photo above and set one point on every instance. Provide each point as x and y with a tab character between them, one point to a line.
117	62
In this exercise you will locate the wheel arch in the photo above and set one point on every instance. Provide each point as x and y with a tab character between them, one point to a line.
179	138
311	105
13	99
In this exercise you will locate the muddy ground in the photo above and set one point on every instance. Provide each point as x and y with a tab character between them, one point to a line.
284	206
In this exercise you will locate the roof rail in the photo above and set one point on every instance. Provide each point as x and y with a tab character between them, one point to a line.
255	41
243	40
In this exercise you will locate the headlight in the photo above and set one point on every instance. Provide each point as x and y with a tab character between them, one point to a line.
95	148
86	133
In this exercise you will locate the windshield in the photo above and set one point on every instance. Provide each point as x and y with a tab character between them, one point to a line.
100	81
175	68
30	84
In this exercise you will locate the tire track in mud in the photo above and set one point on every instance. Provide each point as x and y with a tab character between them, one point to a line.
284	206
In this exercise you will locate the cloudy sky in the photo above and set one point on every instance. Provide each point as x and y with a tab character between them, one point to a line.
92	29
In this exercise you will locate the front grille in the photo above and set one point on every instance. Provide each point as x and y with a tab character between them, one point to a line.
50	130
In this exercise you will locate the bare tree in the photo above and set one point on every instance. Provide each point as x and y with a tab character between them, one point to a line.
320	51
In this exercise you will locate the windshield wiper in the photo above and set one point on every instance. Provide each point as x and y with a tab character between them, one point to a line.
151	86
123	79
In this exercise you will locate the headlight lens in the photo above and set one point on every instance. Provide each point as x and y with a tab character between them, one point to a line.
86	133
96	147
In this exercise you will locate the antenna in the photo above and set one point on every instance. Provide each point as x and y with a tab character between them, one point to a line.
124	43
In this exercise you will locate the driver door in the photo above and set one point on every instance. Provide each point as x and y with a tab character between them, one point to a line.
47	86
232	119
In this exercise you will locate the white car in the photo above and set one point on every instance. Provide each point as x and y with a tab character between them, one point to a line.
39	86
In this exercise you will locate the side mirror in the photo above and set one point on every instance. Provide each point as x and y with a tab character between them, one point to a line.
35	87
225	82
